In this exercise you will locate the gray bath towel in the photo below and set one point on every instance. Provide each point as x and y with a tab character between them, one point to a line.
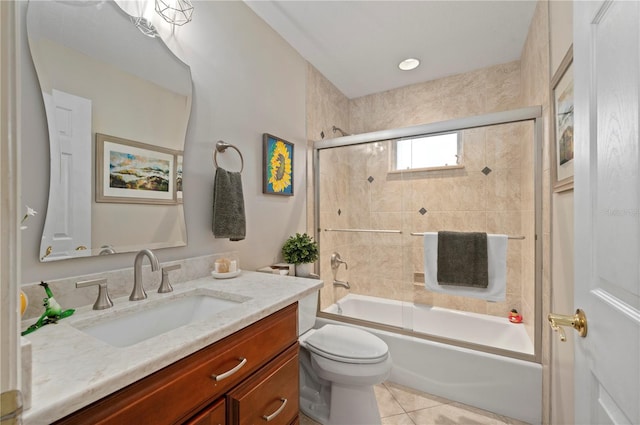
462	259
228	206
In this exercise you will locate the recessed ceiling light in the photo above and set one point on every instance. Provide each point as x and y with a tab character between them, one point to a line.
409	64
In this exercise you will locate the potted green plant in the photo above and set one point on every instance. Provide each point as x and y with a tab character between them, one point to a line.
302	251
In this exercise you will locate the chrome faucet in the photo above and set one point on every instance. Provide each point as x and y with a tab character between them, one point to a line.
104	300
335	264
138	292
106	250
336	261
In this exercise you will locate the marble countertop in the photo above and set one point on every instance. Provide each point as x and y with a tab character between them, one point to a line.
71	369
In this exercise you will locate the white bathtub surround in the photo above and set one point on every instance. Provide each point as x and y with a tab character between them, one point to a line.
482	329
72	369
500	384
497	259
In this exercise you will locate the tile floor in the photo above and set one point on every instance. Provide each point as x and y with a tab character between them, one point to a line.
404	406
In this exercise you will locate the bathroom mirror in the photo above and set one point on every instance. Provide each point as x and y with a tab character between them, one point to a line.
100	75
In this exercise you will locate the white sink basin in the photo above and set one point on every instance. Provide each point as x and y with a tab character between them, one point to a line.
151	320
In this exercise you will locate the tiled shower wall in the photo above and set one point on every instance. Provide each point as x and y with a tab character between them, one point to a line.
468	199
505	196
326	107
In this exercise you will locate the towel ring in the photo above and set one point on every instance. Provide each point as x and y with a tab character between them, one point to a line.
221	147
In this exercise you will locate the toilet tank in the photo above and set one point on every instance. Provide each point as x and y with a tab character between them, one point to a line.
307	307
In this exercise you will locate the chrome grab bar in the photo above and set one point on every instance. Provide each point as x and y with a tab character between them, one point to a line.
508	237
363	230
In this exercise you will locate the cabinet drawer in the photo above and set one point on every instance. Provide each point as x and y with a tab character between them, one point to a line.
270	396
212	415
178	391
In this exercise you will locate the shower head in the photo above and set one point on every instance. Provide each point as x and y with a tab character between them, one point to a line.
340	130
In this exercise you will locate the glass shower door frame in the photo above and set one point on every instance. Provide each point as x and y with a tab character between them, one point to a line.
534	114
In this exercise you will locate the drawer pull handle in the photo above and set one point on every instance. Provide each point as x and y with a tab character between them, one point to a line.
228	373
277	412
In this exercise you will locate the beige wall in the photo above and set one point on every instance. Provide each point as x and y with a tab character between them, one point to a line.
326	107
492	89
561	362
535	77
562	273
560	29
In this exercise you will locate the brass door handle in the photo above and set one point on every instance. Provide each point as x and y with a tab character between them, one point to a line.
578	322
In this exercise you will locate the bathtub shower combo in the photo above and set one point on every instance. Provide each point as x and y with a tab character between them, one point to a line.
377	194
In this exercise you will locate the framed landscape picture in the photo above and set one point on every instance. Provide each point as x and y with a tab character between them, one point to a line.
133	172
562	119
179	161
277	166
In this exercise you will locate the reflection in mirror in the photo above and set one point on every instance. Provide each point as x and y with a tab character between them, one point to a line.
100	75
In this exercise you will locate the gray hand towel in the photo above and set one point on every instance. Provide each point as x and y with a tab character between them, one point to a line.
228	206
462	259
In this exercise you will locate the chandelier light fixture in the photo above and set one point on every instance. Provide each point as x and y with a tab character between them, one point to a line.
176	12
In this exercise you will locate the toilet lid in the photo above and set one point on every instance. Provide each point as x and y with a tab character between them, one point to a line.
347	344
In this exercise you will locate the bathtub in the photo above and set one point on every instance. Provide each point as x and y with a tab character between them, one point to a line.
497	383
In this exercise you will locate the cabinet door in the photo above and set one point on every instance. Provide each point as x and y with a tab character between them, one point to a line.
271	395
212	415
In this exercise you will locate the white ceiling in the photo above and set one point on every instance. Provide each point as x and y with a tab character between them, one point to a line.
357	45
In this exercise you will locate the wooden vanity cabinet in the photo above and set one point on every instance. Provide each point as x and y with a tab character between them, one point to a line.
271	395
216	414
203	388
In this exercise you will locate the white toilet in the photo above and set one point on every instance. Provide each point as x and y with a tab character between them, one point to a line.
339	365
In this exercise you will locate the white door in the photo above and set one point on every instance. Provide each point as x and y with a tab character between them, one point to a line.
607	210
67	229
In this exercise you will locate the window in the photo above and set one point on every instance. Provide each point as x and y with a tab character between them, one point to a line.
424	152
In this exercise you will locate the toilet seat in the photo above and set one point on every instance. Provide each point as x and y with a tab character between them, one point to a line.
345	344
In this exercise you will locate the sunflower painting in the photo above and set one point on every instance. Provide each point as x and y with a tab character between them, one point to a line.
277	166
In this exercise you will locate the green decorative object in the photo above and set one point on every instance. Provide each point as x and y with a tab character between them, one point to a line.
52	313
300	249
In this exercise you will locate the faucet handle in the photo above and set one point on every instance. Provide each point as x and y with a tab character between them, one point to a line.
165	285
103	301
336	260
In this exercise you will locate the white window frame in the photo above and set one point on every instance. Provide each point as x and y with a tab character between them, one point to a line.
393	152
